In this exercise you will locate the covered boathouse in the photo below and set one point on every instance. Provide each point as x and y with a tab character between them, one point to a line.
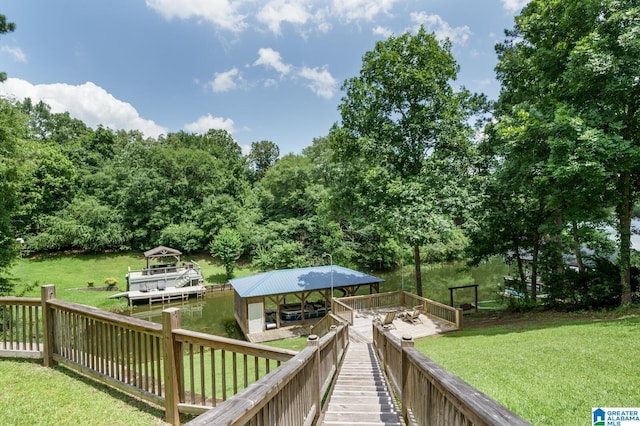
279	298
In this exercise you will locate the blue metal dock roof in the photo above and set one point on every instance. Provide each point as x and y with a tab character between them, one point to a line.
284	281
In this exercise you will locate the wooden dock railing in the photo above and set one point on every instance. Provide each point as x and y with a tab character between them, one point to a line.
290	396
182	370
431	395
345	306
21	327
323	326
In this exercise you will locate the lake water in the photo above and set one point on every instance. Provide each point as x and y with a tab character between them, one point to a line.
214	314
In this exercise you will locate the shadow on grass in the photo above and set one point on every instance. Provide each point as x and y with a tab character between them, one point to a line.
139	404
218	279
505	322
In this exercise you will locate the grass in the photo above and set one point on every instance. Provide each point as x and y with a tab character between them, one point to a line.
71	274
35	395
550	370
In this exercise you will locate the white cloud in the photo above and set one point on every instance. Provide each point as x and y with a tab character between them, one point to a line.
274	13
442	29
358	10
382	31
87	102
221	13
206	122
225	81
16	52
484	82
269	58
321	82
514	6
246	149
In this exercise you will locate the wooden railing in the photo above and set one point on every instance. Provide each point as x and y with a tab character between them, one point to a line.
213	369
20	327
342	311
323	326
290	396
431	395
447	313
187	372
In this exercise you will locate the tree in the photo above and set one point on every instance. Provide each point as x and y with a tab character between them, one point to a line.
572	67
5	27
227	246
263	156
11	130
407	126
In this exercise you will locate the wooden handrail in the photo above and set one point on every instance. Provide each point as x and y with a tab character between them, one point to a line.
431	394
233	345
342	310
290	395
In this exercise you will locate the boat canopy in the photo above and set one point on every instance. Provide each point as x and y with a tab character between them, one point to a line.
161	251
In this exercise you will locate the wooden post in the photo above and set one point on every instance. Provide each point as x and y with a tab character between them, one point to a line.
407	342
48	292
314	342
171	320
334	330
476	287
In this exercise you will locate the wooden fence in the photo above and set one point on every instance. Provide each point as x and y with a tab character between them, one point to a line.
182	370
21	327
290	396
431	395
345	306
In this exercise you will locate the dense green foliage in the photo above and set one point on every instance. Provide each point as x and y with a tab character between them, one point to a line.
403	175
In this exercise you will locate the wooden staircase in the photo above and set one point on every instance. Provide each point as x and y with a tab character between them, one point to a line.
361	395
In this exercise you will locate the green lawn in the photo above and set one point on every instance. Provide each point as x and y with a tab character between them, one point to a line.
549	371
35	395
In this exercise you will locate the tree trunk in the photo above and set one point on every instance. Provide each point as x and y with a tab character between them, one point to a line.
576	246
534	265
624	231
416	261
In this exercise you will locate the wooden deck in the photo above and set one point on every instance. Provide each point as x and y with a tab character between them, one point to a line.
361	395
428	325
293	329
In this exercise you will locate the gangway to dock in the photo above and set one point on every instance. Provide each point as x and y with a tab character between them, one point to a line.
361	394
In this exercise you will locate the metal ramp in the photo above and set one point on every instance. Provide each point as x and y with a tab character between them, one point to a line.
361	395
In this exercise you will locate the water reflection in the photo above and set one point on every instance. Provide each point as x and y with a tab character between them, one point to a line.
214	313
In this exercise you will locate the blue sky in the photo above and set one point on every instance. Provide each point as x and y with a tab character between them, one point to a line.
262	70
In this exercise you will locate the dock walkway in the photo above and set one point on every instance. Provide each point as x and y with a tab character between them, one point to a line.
361	395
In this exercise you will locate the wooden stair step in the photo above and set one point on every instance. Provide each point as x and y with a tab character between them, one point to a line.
351	418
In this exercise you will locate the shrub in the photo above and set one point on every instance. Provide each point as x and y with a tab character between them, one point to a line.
111	282
596	288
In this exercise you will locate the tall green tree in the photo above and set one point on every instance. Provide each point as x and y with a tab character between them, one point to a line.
12	126
570	68
406	125
263	156
604	76
5	27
